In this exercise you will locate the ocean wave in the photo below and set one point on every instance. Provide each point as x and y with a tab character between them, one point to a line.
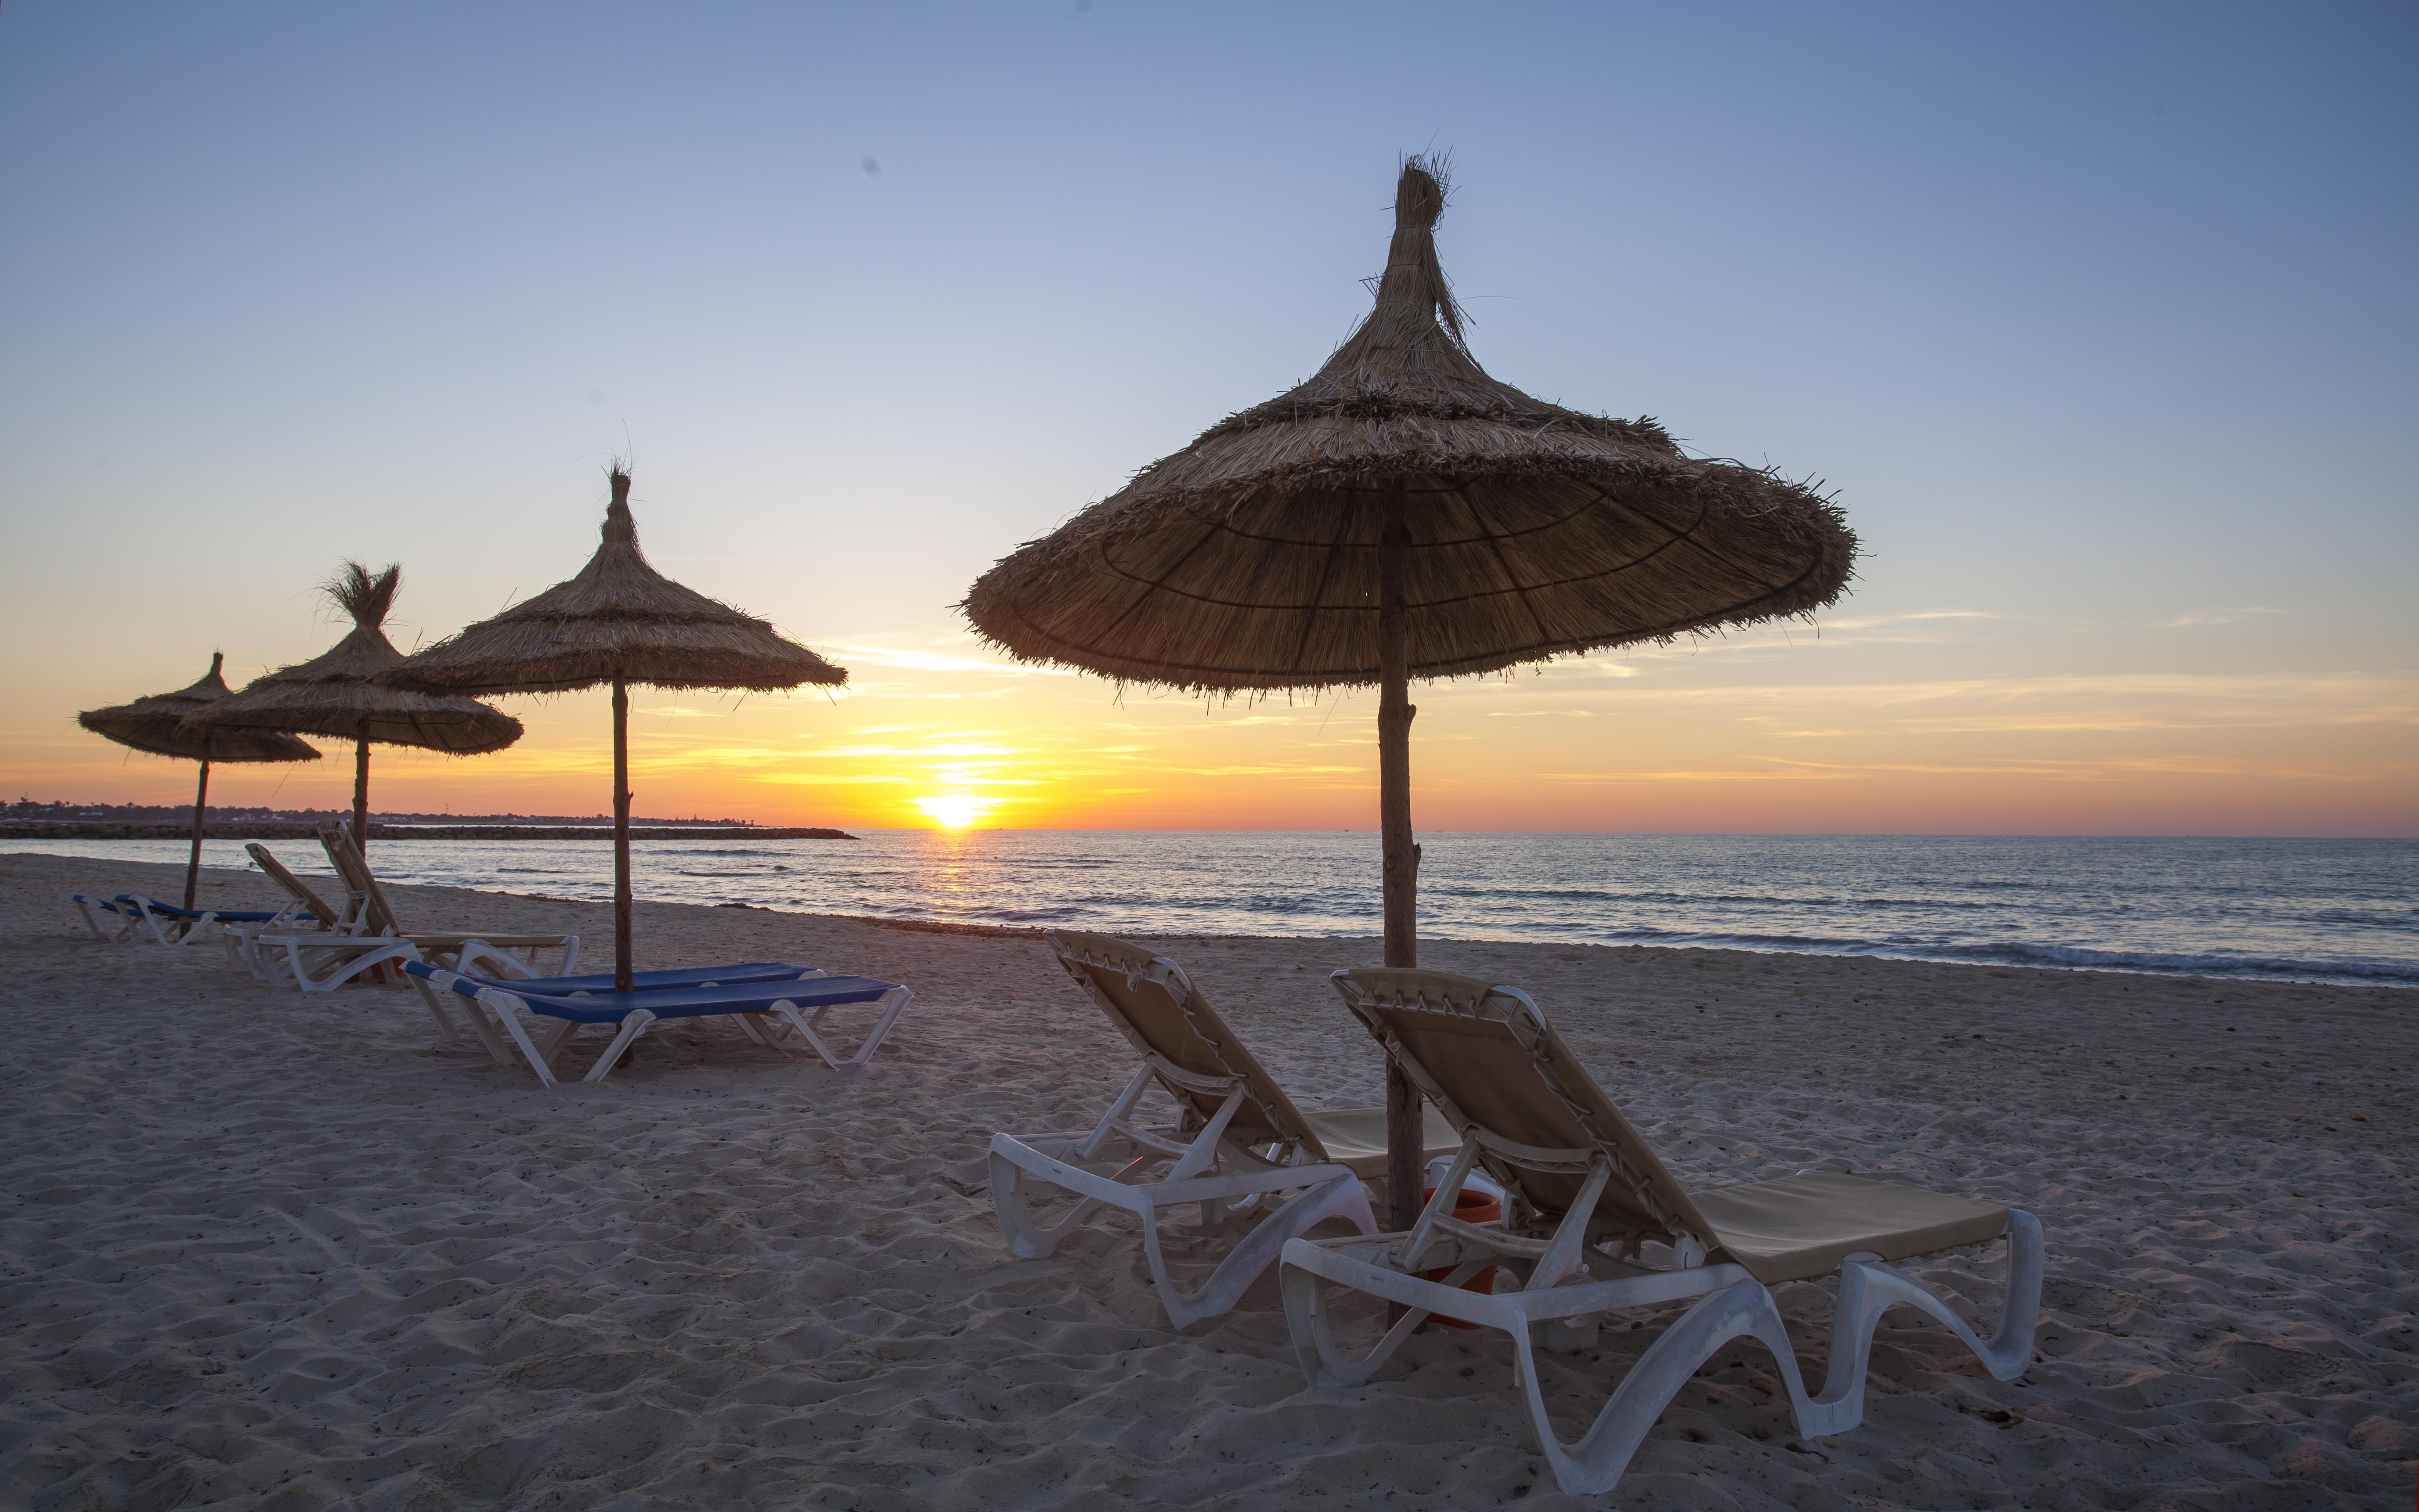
1496	896
2038	955
2017	953
2329	911
2370	918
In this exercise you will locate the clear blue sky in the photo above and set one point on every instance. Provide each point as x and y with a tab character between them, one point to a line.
2100	318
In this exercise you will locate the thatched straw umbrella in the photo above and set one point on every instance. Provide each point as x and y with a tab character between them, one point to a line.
618	621
1403	515
339	694
157	725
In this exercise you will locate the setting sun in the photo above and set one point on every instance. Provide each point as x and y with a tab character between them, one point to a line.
955	810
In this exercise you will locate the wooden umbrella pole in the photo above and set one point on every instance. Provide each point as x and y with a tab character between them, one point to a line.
201	806
361	789
1402	856
621	835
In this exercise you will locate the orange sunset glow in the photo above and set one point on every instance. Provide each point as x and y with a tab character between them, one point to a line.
1867	726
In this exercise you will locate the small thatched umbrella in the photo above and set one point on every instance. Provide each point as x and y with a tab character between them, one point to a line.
618	621
339	694
157	725
1403	515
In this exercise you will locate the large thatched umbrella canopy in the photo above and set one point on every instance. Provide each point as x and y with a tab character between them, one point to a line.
338	694
619	621
1403	515
157	725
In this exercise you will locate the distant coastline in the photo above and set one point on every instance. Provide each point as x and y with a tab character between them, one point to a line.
182	813
28	820
308	829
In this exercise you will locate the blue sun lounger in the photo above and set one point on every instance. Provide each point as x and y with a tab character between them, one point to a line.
645	981
800	1001
134	913
648	981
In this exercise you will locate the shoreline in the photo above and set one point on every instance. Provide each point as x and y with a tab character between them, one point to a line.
2315	977
1039	931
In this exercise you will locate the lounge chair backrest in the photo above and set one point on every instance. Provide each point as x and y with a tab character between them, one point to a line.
1155	1005
295	886
1487	1058
377	918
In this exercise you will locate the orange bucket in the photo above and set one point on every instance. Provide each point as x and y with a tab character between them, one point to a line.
1470	1207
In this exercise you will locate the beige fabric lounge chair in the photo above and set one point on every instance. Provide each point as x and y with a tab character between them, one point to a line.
323	952
1585	1193
454	951
301	899
1238	1138
300	892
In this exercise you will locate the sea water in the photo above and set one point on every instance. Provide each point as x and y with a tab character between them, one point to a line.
2312	910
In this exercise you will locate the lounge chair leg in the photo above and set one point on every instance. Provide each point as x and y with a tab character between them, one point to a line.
554	1037
1595	1465
1028	1240
344	971
1323	1365
1340	1197
482	1030
122	934
437	1011
1869	1289
149	921
501	1008
892	1003
488	1040
634	1023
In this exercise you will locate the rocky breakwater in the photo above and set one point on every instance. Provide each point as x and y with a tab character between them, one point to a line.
297	829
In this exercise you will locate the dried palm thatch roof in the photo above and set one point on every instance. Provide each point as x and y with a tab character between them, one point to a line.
339	693
618	618
1250	559
157	725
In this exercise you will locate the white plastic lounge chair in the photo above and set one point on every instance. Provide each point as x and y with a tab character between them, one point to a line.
800	1002
1239	1138
373	916
1586	1194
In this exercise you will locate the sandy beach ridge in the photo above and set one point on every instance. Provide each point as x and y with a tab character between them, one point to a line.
276	1251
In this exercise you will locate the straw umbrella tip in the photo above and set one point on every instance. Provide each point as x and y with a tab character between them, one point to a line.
365	596
1413	288
1419	195
619	526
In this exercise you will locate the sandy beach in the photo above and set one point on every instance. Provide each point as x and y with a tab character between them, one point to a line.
284	1252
